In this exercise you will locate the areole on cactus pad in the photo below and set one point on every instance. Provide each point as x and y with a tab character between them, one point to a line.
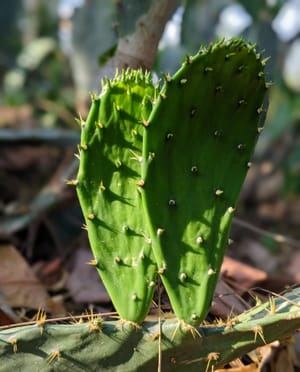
160	175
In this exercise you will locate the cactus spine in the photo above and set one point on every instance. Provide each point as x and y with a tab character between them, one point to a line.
108	189
199	140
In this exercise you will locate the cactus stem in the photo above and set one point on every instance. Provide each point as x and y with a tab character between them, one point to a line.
183	81
219	192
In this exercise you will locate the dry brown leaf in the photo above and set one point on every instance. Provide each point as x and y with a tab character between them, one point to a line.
244	275
249	368
255	254
20	286
83	282
227	302
14	115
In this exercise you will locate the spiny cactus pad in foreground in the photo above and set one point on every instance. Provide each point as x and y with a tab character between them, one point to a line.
107	186
113	346
197	147
158	185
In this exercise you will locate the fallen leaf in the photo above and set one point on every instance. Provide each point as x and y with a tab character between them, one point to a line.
20	286
83	282
244	275
249	368
226	302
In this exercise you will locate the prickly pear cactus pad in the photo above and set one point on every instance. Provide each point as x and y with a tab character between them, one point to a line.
197	147
107	184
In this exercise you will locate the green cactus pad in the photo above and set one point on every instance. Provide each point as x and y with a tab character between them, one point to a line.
108	181
112	346
197	148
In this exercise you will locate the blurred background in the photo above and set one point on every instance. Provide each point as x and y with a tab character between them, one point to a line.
53	54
